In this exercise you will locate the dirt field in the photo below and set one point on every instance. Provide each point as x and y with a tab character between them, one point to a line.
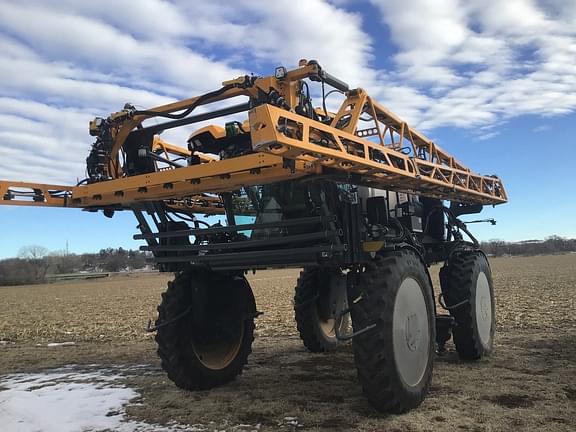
528	384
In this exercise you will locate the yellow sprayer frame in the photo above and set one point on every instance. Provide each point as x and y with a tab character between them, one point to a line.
375	156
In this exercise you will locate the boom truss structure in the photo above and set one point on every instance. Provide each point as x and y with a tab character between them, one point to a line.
284	139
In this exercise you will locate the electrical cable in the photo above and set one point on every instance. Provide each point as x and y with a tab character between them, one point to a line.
334	91
304	83
324	100
191	108
187	218
325	96
307	102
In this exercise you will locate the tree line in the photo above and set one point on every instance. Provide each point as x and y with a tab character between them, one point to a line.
551	245
35	263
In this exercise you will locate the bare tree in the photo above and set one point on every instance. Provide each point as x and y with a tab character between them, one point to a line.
33	252
495	247
62	262
34	256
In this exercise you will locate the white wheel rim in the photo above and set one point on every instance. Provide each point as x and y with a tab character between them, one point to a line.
483	309
410	332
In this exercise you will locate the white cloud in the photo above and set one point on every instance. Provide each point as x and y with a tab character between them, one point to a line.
484	61
88	41
283	32
79	59
541	128
456	63
69	61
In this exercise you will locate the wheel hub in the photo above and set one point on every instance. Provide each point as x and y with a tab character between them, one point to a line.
330	305
483	309
411	332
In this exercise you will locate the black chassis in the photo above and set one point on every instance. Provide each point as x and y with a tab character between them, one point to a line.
329	226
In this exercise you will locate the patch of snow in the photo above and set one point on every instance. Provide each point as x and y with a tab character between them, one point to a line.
292	422
69	400
246	427
57	344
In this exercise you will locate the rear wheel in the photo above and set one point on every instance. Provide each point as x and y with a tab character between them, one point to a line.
395	358
469	294
206	326
317	301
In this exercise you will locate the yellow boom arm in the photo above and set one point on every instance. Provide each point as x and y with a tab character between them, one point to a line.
363	143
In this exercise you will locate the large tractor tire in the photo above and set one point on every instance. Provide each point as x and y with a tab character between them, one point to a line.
468	292
395	357
315	310
205	329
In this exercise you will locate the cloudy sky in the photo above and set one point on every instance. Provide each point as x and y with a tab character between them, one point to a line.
493	82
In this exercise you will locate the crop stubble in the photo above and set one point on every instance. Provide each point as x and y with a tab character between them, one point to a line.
529	383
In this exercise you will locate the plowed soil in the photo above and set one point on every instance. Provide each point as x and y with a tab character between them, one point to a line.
528	384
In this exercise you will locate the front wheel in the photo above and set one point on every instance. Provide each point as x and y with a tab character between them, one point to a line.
205	329
395	358
469	295
318	299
